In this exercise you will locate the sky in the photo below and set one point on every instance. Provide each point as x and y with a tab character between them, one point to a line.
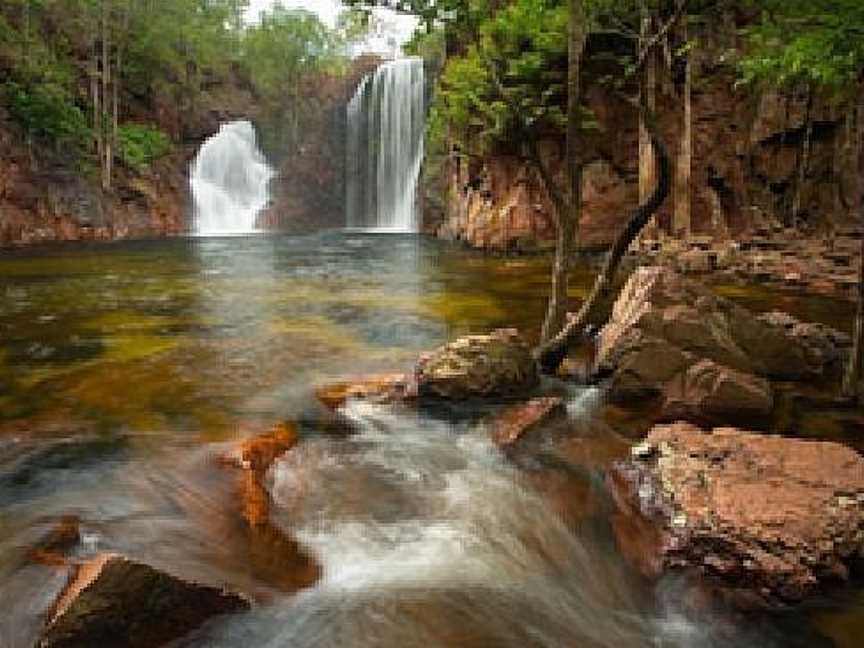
392	29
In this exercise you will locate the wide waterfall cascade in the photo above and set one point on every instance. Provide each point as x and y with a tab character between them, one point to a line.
230	181
386	122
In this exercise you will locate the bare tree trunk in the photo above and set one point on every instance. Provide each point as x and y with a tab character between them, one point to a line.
855	368
803	158
569	217
551	353
683	176
107	154
648	89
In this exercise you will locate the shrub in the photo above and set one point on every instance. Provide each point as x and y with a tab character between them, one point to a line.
141	144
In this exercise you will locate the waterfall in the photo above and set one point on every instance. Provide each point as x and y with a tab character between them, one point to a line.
386	121
230	179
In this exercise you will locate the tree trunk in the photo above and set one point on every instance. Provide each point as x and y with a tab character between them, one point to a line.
568	218
108	152
683	176
803	159
648	90
551	353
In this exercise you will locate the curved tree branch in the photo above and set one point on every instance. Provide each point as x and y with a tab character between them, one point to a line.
551	353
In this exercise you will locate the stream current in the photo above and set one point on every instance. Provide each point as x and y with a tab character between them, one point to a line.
126	368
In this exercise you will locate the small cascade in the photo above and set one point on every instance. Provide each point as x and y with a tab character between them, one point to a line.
230	181
386	122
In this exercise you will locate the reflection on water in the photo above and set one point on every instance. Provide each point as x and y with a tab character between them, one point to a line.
124	369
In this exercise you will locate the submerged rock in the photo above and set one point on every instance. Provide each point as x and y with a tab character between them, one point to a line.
478	366
520	419
54	547
767	519
113	601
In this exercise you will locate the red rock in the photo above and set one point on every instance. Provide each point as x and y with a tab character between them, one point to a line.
258	453
113	601
771	518
517	421
54	547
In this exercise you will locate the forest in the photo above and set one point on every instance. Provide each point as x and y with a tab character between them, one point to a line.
431	323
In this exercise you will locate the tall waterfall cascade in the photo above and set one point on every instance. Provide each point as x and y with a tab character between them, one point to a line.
386	122
230	181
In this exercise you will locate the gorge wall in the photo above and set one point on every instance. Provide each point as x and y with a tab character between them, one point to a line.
50	195
758	159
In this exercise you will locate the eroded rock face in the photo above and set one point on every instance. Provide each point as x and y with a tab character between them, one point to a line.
664	327
767	519
113	601
478	366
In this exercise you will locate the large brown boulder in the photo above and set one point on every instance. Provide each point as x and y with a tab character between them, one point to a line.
767	520
112	601
664	326
713	394
478	366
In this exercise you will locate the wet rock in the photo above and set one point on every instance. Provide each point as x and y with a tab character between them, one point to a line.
478	366
271	553
383	388
53	548
519	420
767	520
113	601
259	452
713	394
663	325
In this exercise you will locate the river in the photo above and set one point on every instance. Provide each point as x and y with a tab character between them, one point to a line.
126	368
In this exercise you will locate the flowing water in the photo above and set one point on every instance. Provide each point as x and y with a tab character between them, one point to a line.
386	122
230	181
126	368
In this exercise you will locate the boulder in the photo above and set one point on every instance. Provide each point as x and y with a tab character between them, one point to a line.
113	601
478	366
826	350
664	324
714	394
767	520
519	420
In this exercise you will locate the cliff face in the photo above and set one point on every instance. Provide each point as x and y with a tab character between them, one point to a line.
52	196
758	159
309	189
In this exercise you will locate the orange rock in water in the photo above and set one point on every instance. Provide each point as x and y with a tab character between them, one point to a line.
512	424
57	543
378	388
258	453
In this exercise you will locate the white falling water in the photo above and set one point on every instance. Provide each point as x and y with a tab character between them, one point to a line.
386	121
230	181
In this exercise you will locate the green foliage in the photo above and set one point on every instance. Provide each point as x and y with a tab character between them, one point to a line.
816	43
522	50
46	110
141	144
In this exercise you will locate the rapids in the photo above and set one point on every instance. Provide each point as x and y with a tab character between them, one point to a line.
126	367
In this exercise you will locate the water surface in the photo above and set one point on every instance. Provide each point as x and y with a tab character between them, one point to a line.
126	368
